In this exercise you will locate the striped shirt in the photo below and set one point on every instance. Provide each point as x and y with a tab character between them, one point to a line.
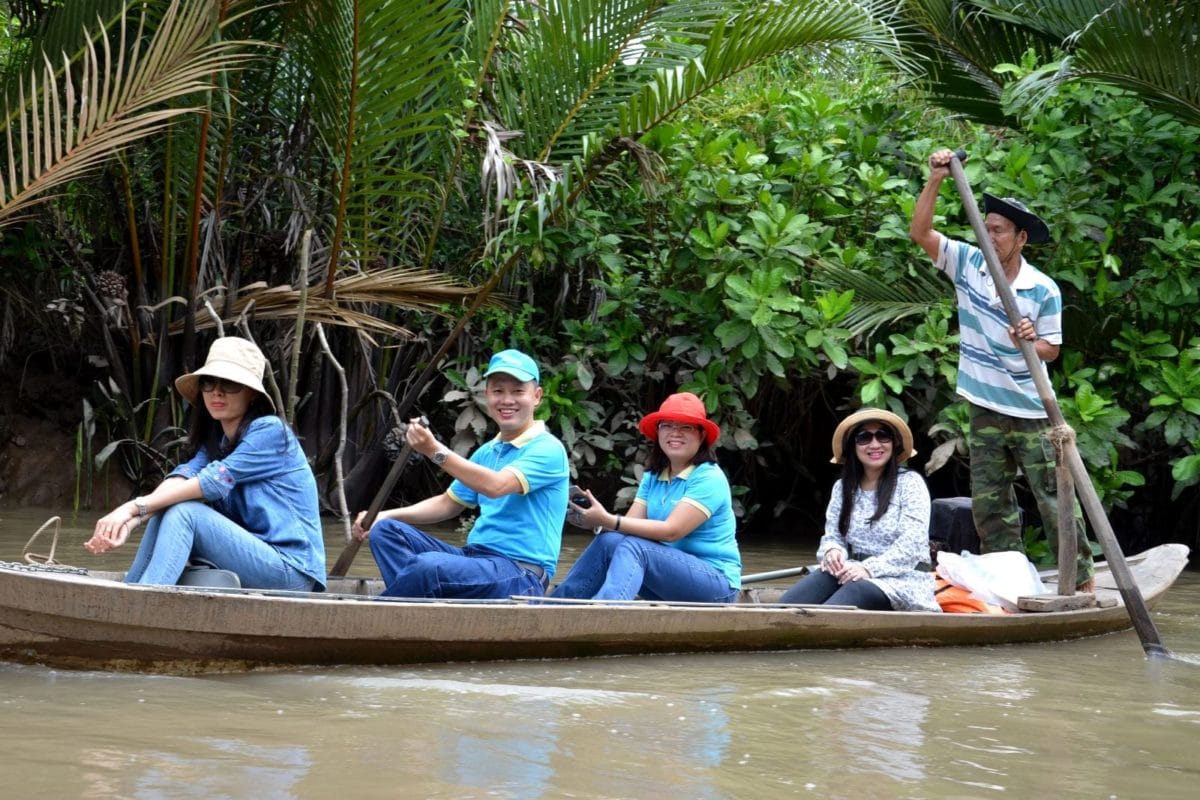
991	372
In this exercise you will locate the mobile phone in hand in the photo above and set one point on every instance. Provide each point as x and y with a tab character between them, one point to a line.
579	498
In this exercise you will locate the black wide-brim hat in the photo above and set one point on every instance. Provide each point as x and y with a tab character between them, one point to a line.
1022	217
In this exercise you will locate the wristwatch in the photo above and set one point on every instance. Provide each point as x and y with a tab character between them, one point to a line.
440	456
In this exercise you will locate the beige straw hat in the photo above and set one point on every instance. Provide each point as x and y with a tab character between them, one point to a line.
865	415
232	358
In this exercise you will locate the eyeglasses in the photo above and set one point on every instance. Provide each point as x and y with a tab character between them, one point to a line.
682	427
883	436
227	387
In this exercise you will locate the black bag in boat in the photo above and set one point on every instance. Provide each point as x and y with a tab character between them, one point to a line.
951	527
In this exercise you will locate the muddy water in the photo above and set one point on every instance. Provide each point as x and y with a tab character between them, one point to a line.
1090	719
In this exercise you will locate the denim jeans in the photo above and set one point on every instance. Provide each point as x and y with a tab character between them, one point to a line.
817	588
620	567
415	564
193	528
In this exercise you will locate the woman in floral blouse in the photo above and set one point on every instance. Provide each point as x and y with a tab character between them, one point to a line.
875	551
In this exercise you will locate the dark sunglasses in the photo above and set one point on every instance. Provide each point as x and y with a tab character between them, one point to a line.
883	436
226	387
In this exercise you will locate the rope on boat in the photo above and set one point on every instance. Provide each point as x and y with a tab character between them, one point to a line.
37	558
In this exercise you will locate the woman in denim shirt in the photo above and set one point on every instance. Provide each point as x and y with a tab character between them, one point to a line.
246	501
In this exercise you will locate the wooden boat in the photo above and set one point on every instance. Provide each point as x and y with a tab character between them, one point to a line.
77	619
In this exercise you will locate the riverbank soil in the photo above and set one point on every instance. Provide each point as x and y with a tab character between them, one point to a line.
39	418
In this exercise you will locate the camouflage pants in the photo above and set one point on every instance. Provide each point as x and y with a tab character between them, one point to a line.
1000	446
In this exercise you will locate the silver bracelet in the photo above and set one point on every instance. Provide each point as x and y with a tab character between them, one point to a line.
143	509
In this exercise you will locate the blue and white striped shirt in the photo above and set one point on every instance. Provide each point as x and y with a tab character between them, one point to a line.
991	372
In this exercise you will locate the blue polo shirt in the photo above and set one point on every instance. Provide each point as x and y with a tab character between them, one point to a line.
705	487
525	526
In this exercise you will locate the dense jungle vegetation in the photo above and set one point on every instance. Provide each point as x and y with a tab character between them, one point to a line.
646	196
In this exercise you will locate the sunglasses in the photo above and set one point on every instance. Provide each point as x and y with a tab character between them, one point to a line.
226	387
682	427
883	436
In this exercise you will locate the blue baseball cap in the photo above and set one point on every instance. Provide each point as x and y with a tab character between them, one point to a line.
515	363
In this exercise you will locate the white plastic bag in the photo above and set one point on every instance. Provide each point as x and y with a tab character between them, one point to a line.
995	578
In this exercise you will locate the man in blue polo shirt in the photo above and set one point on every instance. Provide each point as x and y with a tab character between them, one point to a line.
518	481
1007	419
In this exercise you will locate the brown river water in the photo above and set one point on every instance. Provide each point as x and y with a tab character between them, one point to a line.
1087	719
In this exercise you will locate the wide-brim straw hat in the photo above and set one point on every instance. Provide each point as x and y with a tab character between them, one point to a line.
681	407
865	415
232	358
1013	209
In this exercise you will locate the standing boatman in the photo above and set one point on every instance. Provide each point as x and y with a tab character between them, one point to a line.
1007	418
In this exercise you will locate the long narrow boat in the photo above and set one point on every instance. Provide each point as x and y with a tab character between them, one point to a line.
90	620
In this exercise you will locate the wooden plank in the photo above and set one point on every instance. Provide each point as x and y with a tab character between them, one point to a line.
1056	602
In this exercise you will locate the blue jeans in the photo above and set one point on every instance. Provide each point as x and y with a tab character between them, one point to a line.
620	567
193	528
415	564
817	588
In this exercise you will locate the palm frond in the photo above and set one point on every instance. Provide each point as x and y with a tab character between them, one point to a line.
743	40
383	87
1149	47
878	303
727	45
417	290
62	30
117	95
585	63
959	47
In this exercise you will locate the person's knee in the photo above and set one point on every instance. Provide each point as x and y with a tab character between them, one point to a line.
861	594
815	587
182	514
609	540
633	547
390	528
388	533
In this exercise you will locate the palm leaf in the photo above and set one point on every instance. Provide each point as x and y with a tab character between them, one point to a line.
383	88
1149	47
112	98
959	48
878	303
62	30
579	61
417	290
725	46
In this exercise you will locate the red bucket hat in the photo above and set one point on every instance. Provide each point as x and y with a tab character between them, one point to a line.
681	407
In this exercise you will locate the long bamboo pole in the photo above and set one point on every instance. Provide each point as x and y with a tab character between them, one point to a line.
1135	604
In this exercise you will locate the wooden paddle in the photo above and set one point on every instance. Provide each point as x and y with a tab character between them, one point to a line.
1135	604
342	565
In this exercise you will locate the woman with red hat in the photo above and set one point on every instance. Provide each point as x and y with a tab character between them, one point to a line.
677	540
875	551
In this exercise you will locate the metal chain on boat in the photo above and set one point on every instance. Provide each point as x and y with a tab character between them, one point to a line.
64	569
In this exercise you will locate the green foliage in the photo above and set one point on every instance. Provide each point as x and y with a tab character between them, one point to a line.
779	259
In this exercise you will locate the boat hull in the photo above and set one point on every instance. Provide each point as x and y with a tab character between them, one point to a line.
90	622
